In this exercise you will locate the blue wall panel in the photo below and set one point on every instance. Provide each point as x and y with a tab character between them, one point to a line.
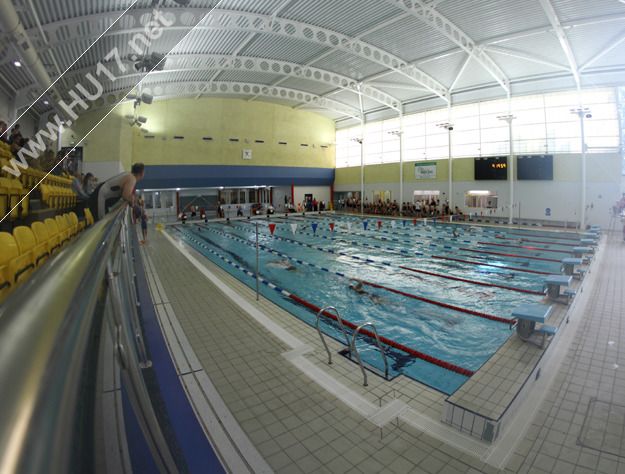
207	176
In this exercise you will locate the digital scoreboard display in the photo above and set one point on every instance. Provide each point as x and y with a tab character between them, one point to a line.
535	167
494	167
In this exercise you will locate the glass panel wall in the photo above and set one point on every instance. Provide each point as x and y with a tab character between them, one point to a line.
543	124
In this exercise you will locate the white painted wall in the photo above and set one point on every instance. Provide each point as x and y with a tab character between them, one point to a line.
320	193
103	170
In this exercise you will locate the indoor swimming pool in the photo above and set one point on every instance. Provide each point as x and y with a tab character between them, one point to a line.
444	301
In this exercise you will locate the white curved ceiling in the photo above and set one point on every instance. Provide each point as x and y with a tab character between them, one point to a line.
334	57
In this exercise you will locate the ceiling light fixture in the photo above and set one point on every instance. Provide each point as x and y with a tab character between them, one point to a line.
17	64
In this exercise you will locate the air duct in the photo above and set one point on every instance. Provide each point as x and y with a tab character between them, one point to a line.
29	58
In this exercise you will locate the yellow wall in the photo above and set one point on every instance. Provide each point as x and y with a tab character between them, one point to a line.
599	168
223	119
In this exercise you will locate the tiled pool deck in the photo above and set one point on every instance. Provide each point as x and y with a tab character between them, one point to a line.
301	422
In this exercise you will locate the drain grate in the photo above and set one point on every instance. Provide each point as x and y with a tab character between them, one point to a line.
383	415
604	428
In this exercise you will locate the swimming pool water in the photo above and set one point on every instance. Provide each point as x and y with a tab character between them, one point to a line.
375	255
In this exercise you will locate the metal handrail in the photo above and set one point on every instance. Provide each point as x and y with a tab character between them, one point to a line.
45	329
338	318
379	345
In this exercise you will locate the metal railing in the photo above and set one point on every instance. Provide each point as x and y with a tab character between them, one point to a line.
338	318
48	329
377	338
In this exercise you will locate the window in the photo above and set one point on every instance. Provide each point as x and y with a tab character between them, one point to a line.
543	124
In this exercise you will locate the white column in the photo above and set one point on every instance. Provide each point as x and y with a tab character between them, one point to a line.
401	159
362	164
581	113
509	118
511	172
583	208
451	185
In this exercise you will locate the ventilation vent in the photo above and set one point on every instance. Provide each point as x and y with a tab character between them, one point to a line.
259	141
148	136
324	146
304	144
281	143
178	137
234	139
208	139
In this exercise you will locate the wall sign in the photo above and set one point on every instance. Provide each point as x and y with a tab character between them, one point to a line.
425	171
247	154
548	212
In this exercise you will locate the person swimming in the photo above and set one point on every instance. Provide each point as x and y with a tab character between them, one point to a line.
375	299
521	240
455	233
471	229
283	263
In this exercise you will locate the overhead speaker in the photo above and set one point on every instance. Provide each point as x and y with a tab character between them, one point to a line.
146	98
184	3
154	62
142	119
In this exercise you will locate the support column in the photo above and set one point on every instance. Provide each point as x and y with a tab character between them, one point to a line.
292	193
362	164
581	113
401	158
508	119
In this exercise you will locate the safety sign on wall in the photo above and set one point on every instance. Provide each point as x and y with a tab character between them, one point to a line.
548	212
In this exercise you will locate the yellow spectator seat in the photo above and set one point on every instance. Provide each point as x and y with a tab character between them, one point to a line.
4	199
24	197
88	217
27	243
72	227
19	266
4	162
63	229
42	235
72	220
55	233
13	196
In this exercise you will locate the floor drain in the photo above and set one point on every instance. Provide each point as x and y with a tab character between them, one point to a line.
604	428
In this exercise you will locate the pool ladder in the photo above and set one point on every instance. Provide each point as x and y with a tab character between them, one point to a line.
351	346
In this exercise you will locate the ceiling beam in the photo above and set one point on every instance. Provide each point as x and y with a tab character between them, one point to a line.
464	66
173	90
435	20
244	21
605	50
218	62
527	56
561	35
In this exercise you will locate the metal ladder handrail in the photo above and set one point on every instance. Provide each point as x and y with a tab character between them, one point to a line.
338	318
377	338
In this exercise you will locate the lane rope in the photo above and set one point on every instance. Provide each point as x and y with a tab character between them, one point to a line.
529	248
432	360
490	265
511	255
531	292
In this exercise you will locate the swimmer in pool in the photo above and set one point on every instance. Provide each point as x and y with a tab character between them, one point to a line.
455	234
283	263
471	229
358	289
500	237
521	240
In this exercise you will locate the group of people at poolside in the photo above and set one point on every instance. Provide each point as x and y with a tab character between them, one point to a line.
422	208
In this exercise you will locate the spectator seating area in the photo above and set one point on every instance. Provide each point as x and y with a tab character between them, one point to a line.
28	248
55	191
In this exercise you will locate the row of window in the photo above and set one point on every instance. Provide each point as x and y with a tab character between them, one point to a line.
543	124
